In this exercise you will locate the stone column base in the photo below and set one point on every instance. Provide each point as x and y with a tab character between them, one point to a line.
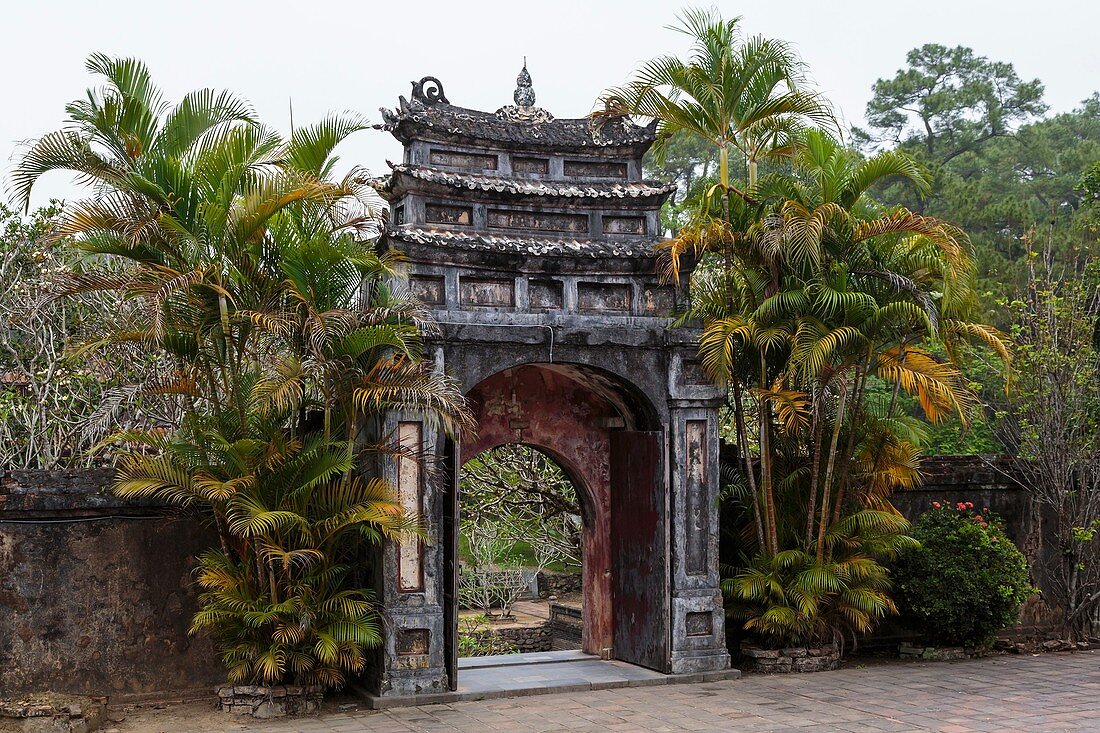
700	660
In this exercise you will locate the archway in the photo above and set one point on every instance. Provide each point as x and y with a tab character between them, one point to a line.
588	420
521	539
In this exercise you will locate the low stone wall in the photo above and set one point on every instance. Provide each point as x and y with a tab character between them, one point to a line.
559	584
527	638
95	593
52	714
793	660
270	702
566	622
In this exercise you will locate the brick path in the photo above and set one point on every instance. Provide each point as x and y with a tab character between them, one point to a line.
1052	692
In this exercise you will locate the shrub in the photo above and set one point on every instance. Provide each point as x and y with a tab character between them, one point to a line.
796	598
965	582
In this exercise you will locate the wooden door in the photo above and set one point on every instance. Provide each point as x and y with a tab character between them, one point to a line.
639	550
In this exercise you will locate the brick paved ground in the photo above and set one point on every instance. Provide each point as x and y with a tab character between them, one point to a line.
1052	692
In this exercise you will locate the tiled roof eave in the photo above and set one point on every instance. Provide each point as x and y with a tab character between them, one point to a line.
639	190
524	245
414	118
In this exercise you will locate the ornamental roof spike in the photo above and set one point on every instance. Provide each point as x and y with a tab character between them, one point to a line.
524	96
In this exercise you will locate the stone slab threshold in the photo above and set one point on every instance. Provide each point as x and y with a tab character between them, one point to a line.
543	673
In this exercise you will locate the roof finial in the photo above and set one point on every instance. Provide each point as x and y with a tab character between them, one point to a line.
524	94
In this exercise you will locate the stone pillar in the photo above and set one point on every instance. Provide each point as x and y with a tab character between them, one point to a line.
698	628
411	593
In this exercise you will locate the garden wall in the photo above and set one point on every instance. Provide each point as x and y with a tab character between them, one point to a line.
988	482
559	584
527	638
94	591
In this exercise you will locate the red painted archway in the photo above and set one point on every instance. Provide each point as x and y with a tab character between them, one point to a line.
567	412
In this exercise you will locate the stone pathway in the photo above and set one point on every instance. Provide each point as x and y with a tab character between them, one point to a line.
1050	692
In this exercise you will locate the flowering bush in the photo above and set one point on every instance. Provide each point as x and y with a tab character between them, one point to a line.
965	582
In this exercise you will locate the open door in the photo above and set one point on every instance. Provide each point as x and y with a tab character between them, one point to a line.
449	487
639	551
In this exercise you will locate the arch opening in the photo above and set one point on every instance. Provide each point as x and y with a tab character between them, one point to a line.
569	412
521	553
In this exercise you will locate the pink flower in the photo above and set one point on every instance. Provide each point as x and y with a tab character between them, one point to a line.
961	506
978	518
936	504
969	505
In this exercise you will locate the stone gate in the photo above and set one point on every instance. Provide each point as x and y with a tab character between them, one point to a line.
532	240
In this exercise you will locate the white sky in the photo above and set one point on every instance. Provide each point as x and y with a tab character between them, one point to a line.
361	55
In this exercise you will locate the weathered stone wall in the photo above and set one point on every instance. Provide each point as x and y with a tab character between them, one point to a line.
95	592
559	584
989	482
566	622
986	481
527	638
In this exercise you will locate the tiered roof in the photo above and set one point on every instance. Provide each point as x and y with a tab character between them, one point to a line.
430	117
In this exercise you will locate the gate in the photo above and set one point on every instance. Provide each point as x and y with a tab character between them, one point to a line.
639	550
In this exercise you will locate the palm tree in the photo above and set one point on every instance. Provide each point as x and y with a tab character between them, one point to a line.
745	97
250	270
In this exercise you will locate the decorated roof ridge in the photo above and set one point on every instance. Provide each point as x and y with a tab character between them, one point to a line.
526	186
522	244
429	109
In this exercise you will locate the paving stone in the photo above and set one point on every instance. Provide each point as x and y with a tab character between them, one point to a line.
1051	692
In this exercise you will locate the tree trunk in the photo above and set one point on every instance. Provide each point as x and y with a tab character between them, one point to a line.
827	487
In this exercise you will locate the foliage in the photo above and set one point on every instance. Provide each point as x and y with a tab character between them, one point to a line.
57	401
476	639
965	581
744	97
792	597
251	274
809	292
491	577
951	100
520	497
1052	422
1000	168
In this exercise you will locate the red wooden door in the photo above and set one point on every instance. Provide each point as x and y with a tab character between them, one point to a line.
639	550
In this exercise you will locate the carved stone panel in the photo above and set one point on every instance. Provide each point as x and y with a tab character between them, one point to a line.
540	220
449	214
469	161
624	225
692	373
658	300
535	166
545	294
410	574
595	169
428	289
603	297
697	517
698	623
413	641
489	292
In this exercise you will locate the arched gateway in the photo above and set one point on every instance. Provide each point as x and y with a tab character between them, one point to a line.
532	239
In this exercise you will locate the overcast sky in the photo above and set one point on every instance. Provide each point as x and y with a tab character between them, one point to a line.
361	55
